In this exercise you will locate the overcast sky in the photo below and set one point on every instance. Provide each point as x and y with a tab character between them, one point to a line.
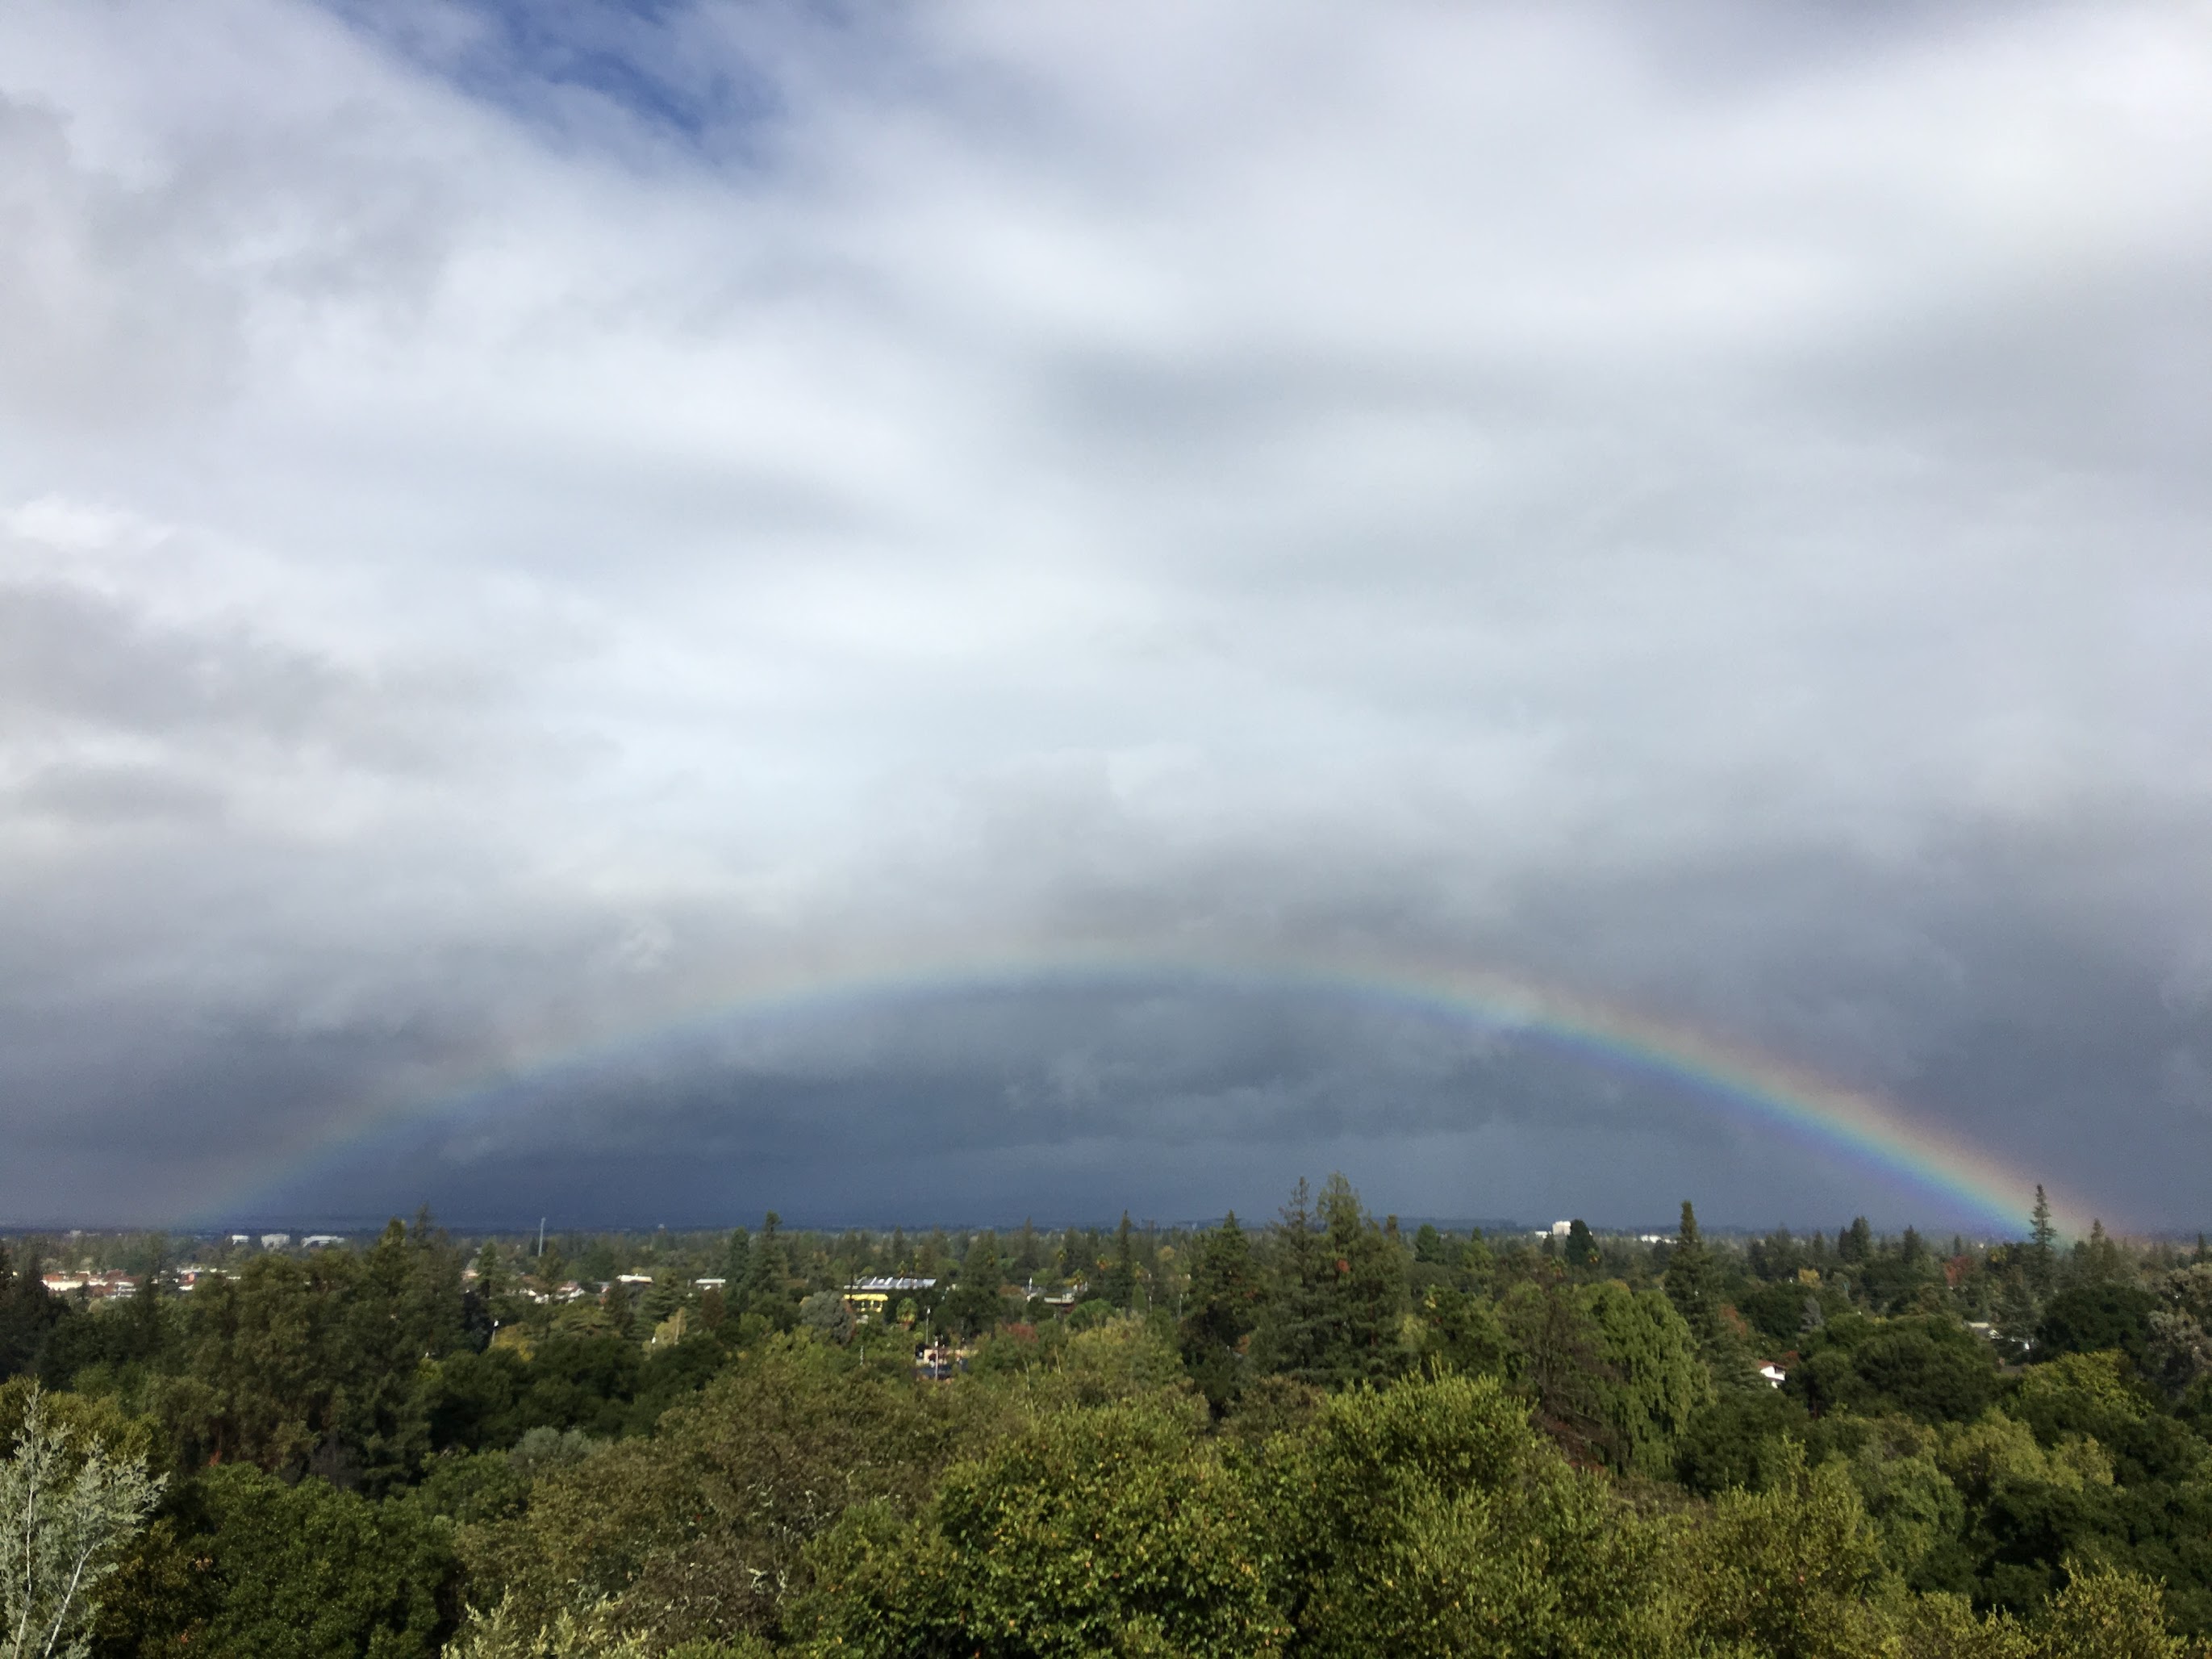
521	524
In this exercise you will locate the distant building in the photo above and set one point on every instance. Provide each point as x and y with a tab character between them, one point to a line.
241	1238
1775	1376
97	1287
633	1278
276	1241
320	1241
871	1298
708	1284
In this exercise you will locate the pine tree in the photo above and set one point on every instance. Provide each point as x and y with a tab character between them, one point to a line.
2041	1246
973	1305
1582	1249
768	1289
1690	1286
1478	1265
662	1299
1689	1276
1120	1286
1222	1308
1337	1296
1855	1244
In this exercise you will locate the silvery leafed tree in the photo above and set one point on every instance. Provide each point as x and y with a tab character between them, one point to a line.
67	1516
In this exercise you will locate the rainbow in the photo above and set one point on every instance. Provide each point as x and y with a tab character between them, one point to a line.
1748	1085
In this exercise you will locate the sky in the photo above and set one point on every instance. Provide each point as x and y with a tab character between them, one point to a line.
610	610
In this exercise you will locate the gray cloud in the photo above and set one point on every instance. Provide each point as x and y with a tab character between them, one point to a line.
510	538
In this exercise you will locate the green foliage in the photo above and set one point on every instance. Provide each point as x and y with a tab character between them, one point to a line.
1928	1368
1258	1471
2092	1317
1460	1331
1337	1296
1220	1310
1652	1382
318	1362
829	1316
1429	1518
306	1572
67	1508
1785	1572
1119	1282
1736	1440
1113	1530
1559	1359
1581	1249
2109	1615
974	1304
698	1531
28	1313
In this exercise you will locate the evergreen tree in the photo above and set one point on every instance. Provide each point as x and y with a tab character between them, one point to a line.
1691	1283
1337	1294
973	1305
2099	1260
1855	1244
620	1309
1221	1307
1478	1265
27	1312
1558	1359
1582	1249
1689	1278
769	1289
661	1300
2041	1246
1121	1282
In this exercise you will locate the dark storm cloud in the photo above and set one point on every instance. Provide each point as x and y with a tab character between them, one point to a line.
516	533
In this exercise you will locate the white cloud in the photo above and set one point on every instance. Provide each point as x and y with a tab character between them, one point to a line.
1012	471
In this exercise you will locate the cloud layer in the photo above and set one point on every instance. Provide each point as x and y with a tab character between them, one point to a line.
511	535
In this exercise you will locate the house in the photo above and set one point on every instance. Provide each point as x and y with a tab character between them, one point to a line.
1775	1376
97	1287
871	1298
938	1363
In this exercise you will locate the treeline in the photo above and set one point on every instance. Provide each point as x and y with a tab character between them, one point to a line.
1328	1435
